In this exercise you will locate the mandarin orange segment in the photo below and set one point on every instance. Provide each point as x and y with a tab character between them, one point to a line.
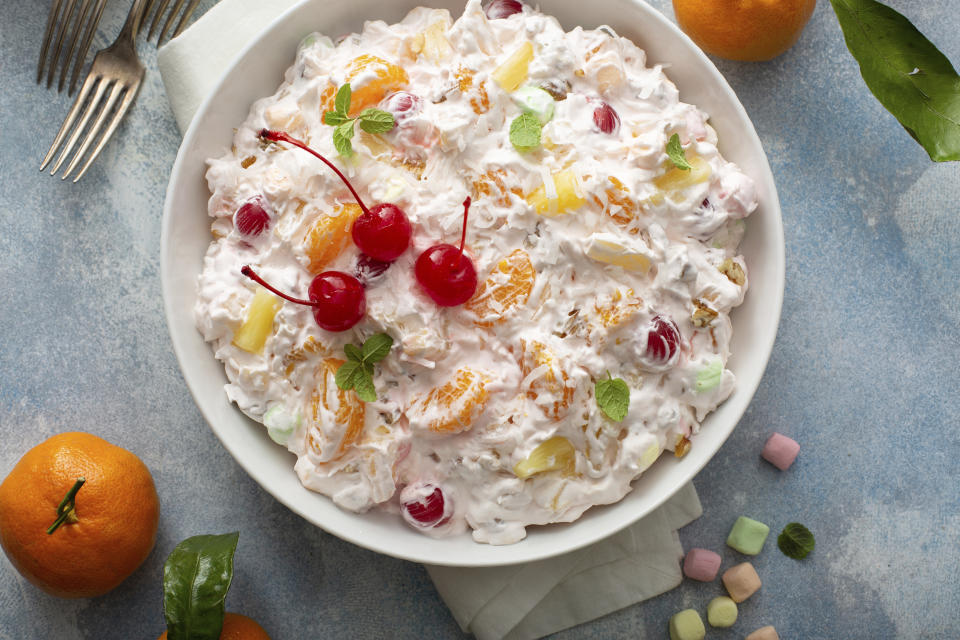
618	308
329	236
349	410
620	206
554	381
453	406
508	287
371	78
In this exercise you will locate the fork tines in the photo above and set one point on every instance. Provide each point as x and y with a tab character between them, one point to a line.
68	19
168	24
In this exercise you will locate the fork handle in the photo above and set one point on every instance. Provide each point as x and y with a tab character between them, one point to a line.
134	18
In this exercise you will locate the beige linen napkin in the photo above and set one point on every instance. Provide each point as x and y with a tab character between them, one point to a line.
518	602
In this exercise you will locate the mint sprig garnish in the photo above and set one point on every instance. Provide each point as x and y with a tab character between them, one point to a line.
613	397
357	372
677	156
525	132
371	121
795	541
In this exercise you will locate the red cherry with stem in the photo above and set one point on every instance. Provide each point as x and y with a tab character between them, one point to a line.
337	298
384	231
427	510
497	9
251	219
606	118
445	272
662	344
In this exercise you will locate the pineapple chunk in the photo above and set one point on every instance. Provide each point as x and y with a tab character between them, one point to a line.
436	47
609	248
677	179
513	71
555	454
258	324
566	197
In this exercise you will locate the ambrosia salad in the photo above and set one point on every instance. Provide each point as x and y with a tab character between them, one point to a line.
603	229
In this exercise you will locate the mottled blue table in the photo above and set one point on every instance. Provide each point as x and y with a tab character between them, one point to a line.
863	375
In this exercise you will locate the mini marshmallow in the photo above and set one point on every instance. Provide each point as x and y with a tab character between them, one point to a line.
747	536
741	581
780	451
722	612
701	564
764	633
687	625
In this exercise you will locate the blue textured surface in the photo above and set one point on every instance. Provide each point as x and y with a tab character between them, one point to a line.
863	375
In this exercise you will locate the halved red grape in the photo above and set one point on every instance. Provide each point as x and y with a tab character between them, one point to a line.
252	219
662	344
497	9
606	118
425	508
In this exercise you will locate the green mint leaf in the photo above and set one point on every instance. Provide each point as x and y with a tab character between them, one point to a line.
333	118
910	77
196	577
377	347
677	156
367	367
525	132
341	139
353	352
347	374
613	398
365	389
376	121
795	541
341	103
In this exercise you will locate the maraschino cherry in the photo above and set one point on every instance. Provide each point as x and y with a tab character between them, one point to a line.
251	219
446	272
383	231
338	299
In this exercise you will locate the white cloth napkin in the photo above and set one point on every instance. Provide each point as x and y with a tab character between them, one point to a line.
518	602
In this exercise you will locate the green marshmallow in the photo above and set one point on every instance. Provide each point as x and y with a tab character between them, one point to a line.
748	536
536	102
280	424
687	625
710	376
722	612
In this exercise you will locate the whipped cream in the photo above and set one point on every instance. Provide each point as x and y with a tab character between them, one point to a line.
567	297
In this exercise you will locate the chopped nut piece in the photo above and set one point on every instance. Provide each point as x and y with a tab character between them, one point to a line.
682	447
702	315
733	271
249	160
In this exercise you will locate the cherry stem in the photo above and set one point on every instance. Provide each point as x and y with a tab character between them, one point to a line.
67	506
282	136
247	271
463	233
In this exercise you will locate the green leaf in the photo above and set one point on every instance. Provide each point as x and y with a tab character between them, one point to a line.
377	347
365	389
525	132
341	103
677	156
613	398
341	139
196	577
367	367
333	118
348	373
910	77
795	541
376	121
353	352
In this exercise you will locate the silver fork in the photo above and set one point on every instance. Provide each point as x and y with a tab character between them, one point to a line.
116	72
178	4
67	20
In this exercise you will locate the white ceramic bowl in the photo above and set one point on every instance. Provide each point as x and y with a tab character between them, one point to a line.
257	72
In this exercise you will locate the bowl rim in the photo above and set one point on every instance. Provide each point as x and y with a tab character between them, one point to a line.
479	554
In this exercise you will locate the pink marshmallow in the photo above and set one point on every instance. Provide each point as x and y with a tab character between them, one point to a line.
780	451
701	564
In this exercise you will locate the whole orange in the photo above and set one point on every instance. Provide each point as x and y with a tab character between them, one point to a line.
744	29
237	627
102	539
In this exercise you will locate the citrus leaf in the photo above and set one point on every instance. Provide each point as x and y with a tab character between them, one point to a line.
795	541
525	132
377	347
365	389
196	577
348	373
353	352
910	77
613	398
341	102
376	121
677	156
